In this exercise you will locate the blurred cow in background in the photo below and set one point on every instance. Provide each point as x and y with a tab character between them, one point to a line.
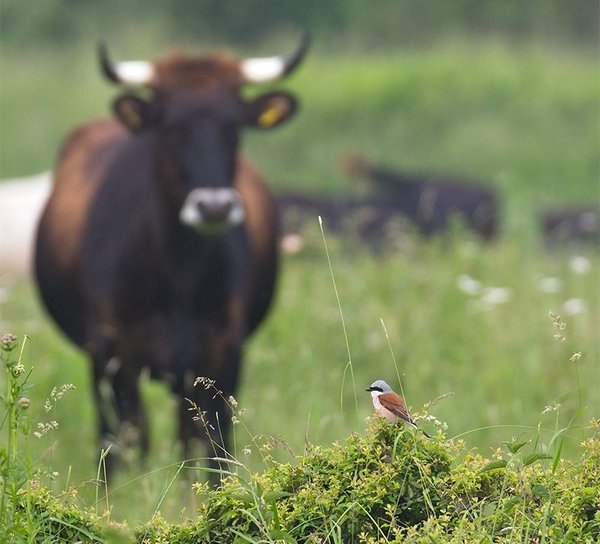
396	206
429	202
157	248
574	227
374	222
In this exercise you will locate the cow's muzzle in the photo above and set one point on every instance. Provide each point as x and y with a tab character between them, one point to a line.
211	211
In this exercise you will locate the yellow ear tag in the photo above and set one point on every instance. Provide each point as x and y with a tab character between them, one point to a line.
270	116
131	116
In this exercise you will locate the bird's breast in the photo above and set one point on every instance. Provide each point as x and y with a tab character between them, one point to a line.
382	411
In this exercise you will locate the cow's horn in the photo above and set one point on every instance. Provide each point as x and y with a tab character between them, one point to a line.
137	72
265	69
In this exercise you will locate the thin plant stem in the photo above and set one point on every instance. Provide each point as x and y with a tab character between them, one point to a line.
337	296
102	471
162	498
387	337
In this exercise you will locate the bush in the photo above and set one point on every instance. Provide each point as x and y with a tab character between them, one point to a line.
392	485
42	517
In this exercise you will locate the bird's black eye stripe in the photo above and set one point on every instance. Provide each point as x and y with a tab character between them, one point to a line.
375	389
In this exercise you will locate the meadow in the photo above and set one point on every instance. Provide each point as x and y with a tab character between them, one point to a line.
465	328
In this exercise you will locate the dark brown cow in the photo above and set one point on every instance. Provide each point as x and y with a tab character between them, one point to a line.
574	227
430	202
158	246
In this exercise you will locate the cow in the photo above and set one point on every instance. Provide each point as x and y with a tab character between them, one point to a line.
157	248
374	222
575	227
429	202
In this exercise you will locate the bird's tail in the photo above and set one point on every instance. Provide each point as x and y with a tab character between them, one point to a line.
412	422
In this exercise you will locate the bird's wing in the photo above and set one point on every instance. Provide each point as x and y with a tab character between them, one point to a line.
394	403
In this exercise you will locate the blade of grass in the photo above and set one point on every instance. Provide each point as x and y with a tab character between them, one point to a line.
166	491
337	296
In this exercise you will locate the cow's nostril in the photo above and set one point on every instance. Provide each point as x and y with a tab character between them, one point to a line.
210	209
214	210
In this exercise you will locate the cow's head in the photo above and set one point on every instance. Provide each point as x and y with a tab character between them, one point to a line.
195	111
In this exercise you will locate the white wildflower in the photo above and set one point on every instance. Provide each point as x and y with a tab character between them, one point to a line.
549	284
575	306
468	285
492	296
579	264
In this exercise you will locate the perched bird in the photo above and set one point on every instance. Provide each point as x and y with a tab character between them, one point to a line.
390	405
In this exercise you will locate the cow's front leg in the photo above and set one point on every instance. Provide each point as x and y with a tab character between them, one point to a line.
205	413
122	420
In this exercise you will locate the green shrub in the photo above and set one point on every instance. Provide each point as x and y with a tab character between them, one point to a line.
388	486
392	485
42	517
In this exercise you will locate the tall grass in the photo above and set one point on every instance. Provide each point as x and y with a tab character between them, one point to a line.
493	362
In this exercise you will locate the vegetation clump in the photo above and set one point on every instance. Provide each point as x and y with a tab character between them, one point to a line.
392	485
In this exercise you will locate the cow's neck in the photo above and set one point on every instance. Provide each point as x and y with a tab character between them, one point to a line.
394	182
193	259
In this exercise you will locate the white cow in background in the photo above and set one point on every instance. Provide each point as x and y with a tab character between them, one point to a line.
21	202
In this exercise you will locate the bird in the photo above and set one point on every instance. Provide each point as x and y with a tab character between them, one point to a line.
389	405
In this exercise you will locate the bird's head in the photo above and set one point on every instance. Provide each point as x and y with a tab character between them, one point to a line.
378	387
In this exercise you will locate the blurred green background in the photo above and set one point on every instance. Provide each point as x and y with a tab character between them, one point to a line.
338	23
503	91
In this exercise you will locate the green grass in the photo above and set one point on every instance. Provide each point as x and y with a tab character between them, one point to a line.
496	367
523	120
386	484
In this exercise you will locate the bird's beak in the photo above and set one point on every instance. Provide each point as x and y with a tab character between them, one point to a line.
370	389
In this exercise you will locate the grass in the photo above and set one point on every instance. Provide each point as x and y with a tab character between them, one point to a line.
384	485
495	367
523	120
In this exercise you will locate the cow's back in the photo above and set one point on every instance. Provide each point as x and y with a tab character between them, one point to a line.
80	169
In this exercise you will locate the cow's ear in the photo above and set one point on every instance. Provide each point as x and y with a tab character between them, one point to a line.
271	109
134	112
